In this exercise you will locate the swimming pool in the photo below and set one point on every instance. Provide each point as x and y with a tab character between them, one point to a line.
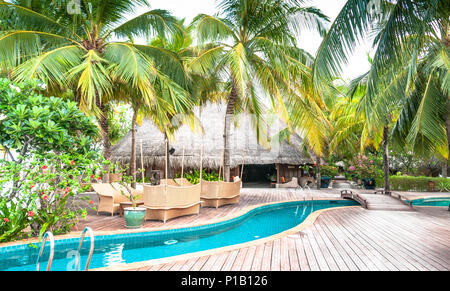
119	249
431	201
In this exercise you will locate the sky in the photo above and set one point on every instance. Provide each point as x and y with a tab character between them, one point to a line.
309	41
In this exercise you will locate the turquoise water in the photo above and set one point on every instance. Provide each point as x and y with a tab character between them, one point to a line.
434	201
129	248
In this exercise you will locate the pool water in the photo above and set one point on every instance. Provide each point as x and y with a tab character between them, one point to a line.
432	201
137	247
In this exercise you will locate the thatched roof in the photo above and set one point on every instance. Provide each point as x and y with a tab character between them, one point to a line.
243	143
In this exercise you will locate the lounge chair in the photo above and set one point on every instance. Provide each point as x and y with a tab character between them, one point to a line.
165	202
109	198
217	194
292	184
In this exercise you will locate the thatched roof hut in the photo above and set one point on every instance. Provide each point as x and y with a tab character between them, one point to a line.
243	143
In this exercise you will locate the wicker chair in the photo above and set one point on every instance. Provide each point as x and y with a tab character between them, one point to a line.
165	202
137	194
109	198
175	182
217	194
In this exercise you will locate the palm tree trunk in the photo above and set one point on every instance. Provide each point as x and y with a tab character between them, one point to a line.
318	175
447	125
103	121
387	187
227	131
133	146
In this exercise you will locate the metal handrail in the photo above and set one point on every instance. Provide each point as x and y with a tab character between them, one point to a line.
52	250
91	250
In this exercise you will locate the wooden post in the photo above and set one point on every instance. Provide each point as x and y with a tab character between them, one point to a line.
142	165
166	177
242	169
182	168
201	164
278	174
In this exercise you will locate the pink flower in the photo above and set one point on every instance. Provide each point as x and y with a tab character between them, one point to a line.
67	189
30	213
6	220
44	167
45	197
72	163
351	168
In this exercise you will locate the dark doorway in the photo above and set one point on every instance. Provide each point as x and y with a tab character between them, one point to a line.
259	176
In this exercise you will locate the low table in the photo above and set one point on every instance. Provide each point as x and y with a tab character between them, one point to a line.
124	205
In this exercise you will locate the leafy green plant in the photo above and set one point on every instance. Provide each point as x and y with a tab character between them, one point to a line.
15	215
35	123
194	176
410	183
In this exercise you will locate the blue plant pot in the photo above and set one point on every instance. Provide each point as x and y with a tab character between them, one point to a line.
369	183
325	182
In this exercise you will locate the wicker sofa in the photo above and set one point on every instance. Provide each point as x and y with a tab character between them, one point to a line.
166	201
217	194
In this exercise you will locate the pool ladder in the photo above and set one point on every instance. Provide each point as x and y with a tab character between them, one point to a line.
49	235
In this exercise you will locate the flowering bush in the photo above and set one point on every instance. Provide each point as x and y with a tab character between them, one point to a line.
39	194
363	167
328	171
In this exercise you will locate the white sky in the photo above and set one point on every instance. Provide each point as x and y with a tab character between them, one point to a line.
309	41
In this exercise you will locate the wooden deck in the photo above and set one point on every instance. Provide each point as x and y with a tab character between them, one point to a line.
340	239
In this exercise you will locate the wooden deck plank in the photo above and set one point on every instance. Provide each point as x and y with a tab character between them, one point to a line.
249	258
313	265
284	255
240	259
267	257
257	260
276	256
230	261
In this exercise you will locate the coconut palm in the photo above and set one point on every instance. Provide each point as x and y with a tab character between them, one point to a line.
412	42
251	46
78	47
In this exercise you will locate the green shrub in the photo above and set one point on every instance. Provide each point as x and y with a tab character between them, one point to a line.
194	176
409	183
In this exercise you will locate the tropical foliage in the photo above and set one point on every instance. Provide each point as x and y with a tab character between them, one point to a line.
34	123
87	50
252	45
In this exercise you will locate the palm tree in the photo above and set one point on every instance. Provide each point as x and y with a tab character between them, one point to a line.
251	45
82	52
411	61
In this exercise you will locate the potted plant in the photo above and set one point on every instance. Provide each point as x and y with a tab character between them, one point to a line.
327	172
306	170
134	216
365	169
